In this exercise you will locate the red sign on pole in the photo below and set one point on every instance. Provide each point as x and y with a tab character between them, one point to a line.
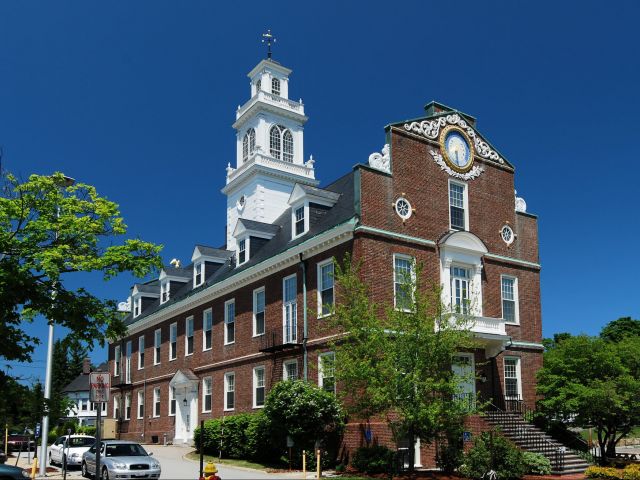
99	386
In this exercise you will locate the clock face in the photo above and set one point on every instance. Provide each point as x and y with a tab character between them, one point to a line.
457	149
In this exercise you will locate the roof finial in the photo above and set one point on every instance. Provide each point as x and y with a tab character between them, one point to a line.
268	38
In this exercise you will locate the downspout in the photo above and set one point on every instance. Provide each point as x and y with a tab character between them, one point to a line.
305	326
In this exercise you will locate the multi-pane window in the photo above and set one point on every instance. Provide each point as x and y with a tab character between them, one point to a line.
127	362
157	339
173	341
207	329
248	144
198	274
326	369
290	370
456	205
116	361
164	291
290	310
137	306
229	321
299	220
258	85
242	251
83	405
275	144
325	287
127	406
512	388
460	289
207	389
140	404
287	146
140	352
116	406
188	336
229	391
403	278
509	299
172	400
156	402
258	312
275	86
258	387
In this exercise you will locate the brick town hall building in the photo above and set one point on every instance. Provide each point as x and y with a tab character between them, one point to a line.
211	338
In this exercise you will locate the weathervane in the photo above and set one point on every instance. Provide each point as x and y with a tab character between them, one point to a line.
268	38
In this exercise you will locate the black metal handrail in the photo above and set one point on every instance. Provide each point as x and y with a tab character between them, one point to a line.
514	419
274	340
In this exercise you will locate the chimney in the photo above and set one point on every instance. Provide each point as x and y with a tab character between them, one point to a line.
86	366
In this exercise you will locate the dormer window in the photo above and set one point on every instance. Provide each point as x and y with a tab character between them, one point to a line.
198	274
137	306
164	292
281	143
298	221
242	251
275	86
248	144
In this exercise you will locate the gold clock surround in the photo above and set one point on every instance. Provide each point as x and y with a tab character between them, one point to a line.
445	154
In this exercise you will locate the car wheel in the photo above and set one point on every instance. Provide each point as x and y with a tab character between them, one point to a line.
105	474
50	459
84	471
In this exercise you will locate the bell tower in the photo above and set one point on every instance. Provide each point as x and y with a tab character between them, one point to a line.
269	149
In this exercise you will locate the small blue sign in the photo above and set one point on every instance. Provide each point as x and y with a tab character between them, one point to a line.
367	435
466	436
37	430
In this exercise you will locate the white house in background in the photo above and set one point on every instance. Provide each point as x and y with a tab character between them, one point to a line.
78	392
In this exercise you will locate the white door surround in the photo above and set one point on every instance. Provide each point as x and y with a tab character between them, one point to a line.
186	384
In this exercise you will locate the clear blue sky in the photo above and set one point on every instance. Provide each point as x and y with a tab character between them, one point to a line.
138	98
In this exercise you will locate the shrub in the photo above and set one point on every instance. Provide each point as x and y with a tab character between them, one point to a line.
536	463
376	459
86	430
450	456
492	451
630	472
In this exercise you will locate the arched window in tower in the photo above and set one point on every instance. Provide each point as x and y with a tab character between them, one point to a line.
287	146
252	140
274	141
248	144
275	86
245	148
258	85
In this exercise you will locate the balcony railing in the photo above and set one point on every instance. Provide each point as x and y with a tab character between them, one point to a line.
305	170
271	99
277	339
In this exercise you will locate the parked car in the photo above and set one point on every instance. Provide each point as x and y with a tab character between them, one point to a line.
120	459
12	473
18	442
77	445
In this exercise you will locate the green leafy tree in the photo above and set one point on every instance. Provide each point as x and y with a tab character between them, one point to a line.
587	381
397	362
48	229
620	329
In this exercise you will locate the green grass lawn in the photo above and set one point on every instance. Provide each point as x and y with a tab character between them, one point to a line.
233	462
635	433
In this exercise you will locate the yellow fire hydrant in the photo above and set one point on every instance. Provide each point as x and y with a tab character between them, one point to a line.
209	472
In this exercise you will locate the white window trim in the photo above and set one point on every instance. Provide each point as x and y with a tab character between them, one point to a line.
454	259
156	399
173	326
127	361
321	369
140	403
127	403
204	332
247	243
172	396
255	385
204	391
156	357
294	207
255	303
226	390
319	292
195	266
285	303
516	299
117	361
137	306
116	405
165	287
465	202
284	368
186	335
141	349
226	312
518	374
412	261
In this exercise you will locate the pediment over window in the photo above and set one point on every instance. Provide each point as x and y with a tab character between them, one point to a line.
309	194
142	290
464	241
210	254
184	378
181	275
252	228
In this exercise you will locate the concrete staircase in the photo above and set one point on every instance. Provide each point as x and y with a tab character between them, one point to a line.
532	439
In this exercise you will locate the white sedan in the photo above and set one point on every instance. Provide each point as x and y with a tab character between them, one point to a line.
78	444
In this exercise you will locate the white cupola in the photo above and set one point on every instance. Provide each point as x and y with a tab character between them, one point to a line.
269	150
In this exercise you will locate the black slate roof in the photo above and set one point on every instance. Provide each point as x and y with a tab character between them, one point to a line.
186	272
343	210
259	226
213	252
320	192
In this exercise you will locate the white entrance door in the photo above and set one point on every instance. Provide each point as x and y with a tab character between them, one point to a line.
186	416
463	367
